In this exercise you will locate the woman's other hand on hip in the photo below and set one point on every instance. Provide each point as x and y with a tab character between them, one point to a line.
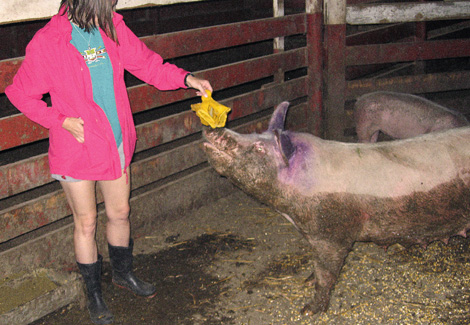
75	127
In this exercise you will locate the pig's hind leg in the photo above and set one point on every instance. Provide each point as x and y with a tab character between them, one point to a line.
328	259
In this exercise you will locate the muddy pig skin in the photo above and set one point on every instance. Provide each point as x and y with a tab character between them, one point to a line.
411	191
401	116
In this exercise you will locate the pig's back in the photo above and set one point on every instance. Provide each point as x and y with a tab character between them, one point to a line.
391	168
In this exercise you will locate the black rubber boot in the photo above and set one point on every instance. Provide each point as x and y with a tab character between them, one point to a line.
121	261
91	273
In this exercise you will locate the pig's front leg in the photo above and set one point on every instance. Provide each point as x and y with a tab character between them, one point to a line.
367	133
328	259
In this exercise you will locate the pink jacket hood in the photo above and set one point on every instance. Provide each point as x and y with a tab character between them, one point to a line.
53	65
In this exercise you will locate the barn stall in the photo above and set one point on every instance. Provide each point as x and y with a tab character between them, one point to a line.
308	53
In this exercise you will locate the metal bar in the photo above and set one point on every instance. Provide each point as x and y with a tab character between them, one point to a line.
256	101
189	42
416	84
144	97
456	27
400	52
33	214
406	12
381	34
24	175
8	69
17	129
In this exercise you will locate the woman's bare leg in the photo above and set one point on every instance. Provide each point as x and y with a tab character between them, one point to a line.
82	200
116	199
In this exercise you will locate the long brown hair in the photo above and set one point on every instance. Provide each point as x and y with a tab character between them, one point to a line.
87	13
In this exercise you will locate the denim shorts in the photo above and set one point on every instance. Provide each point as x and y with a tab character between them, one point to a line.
65	178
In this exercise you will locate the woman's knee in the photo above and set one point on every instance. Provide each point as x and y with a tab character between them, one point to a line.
118	213
85	225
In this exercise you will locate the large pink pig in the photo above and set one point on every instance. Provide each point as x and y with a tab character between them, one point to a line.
411	191
401	116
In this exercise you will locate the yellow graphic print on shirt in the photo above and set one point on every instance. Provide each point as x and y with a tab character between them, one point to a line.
92	55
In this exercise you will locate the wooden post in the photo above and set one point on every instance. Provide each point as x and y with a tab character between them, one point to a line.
278	45
335	80
278	9
420	34
313	9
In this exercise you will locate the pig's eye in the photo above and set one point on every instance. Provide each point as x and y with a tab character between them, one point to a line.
258	147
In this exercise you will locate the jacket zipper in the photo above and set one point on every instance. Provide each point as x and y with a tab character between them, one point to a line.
89	91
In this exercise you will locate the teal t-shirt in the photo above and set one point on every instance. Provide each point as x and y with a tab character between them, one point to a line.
91	47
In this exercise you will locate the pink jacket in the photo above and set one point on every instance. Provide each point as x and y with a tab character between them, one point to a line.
53	65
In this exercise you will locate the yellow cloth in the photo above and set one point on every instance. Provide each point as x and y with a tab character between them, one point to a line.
211	112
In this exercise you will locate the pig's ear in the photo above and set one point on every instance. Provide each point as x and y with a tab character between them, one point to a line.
285	145
278	118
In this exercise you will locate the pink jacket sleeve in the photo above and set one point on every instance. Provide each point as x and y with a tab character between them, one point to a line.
147	65
29	85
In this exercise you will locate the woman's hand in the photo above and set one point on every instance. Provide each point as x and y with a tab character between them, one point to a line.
200	84
75	127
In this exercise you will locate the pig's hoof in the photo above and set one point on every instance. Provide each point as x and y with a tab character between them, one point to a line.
312	308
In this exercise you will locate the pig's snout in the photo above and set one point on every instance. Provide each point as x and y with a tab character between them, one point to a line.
220	139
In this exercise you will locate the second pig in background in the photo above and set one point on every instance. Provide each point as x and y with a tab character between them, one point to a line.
401	116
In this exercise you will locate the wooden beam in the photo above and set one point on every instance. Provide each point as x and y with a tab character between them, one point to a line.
406	12
334	12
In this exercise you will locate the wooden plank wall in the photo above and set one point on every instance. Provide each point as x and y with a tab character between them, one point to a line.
391	46
169	173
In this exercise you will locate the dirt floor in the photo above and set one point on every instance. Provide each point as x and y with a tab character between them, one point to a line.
239	262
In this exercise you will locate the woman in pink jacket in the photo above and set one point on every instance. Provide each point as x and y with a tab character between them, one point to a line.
79	58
